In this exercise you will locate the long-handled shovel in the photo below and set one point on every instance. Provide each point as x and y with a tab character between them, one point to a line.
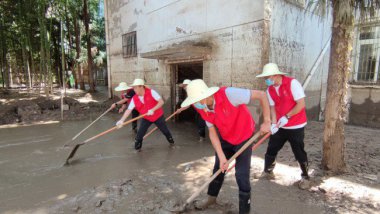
195	194
74	150
91	124
254	147
155	128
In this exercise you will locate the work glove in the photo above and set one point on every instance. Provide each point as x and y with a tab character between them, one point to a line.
119	124
274	129
150	112
282	122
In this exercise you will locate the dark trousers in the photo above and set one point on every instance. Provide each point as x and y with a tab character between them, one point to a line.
145	124
242	168
296	140
135	114
201	126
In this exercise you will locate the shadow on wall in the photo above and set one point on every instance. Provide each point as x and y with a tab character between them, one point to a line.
366	114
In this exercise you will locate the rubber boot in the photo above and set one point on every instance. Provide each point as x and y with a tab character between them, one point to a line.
171	141
244	202
138	145
305	181
205	203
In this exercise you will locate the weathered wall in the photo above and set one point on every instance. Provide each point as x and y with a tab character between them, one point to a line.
235	39
364	107
297	39
243	36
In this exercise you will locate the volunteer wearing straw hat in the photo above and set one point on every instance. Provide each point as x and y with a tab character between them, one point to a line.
287	103
147	101
225	109
200	122
126	94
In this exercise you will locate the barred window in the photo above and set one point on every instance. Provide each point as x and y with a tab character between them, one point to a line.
129	45
367	55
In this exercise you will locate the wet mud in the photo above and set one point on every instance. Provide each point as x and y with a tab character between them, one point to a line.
108	176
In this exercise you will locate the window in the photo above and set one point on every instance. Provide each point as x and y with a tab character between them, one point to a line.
129	45
367	55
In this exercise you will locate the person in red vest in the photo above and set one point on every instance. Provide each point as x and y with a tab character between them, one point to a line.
147	101
287	103
230	126
200	122
126	94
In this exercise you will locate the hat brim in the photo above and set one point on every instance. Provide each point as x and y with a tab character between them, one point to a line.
137	85
118	88
189	101
270	74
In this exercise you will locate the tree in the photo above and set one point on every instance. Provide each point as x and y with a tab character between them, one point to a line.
86	18
343	14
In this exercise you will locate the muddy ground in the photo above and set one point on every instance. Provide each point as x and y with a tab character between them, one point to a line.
24	107
107	176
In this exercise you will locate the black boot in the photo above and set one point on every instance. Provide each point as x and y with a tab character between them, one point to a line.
138	144
244	202
270	163
305	170
170	140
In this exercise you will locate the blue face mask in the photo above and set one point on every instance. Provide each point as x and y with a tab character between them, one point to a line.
199	106
269	82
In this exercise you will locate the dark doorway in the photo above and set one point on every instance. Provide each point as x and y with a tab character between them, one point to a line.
181	72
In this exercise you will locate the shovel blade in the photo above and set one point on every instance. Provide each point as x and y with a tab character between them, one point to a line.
72	153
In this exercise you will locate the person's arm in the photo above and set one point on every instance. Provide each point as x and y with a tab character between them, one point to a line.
122	101
273	115
297	108
262	97
218	148
158	105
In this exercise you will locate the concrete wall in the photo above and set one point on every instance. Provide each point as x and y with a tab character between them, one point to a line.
297	39
243	36
364	107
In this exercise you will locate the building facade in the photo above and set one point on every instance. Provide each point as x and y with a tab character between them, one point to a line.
224	42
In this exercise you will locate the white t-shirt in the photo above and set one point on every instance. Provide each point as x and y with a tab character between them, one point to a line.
155	96
236	96
297	92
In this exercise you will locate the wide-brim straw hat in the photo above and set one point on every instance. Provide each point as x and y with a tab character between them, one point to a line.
270	69
185	83
138	82
197	90
122	87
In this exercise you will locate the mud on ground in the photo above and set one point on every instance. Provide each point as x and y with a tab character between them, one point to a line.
23	107
107	176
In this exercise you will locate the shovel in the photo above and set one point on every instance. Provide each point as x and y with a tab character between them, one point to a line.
155	128
196	194
253	148
74	150
91	123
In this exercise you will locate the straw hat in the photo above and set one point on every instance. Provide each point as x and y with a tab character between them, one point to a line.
185	83
270	69
197	90
138	82
122	87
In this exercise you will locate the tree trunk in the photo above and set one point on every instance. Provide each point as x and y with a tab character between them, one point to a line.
88	38
336	102
78	50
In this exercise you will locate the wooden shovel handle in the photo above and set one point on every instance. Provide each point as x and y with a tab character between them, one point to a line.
114	128
242	149
254	147
155	128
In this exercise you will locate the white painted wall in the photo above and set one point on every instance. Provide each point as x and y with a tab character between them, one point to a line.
297	38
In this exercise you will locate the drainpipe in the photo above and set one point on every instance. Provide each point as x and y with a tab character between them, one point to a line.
109	79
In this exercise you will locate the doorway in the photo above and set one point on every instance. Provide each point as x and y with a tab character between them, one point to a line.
181	72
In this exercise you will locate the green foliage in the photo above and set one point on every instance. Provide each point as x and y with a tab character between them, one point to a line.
30	37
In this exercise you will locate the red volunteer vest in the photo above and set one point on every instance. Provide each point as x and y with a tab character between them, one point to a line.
124	95
149	103
235	124
284	102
